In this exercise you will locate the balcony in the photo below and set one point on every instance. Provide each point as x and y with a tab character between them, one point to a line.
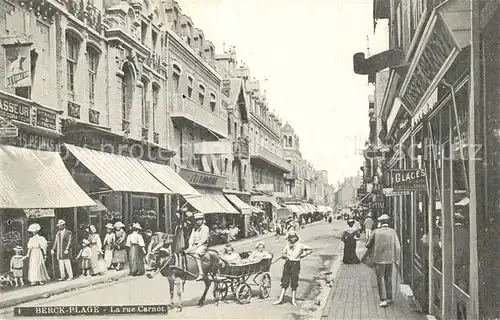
269	157
185	108
241	148
84	11
213	147
94	116
126	126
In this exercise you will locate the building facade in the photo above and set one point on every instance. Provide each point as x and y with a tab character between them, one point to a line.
294	181
442	90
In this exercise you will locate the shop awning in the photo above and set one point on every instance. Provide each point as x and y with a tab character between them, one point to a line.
295	208
120	173
169	178
99	207
211	203
265	199
328	209
33	179
239	204
226	205
257	210
321	209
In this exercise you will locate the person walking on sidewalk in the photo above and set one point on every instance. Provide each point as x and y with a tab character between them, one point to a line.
62	250
384	250
292	253
368	226
350	238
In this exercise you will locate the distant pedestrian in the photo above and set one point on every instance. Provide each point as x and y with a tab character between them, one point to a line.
383	254
368	226
292	253
277	228
350	238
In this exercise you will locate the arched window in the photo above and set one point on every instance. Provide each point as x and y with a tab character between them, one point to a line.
285	141
290	144
92	63
127	92
201	94
156	98
213	101
72	49
144	104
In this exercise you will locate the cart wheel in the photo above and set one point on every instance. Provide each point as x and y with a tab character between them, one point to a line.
265	286
220	291
243	293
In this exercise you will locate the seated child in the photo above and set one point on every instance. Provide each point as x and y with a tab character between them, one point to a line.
260	253
229	255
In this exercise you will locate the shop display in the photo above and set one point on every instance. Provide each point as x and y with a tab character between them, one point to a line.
143	215
111	215
11	239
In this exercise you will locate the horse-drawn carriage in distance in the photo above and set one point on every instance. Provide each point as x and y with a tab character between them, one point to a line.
235	277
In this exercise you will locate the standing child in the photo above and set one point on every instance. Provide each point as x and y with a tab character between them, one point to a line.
16	266
84	255
292	253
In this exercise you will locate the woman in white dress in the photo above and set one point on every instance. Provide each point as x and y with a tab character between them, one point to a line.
109	245
137	250
97	264
37	254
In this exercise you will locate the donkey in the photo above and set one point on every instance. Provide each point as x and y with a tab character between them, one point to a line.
180	267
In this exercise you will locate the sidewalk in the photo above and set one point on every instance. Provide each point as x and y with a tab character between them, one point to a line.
354	296
29	293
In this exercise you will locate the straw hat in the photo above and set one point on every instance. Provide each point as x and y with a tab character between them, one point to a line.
18	248
119	224
92	228
384	217
85	242
61	222
136	225
260	243
109	226
35	227
198	216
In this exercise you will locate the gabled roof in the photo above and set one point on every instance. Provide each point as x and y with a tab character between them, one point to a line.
237	97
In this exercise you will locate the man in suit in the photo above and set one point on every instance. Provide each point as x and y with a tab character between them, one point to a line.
62	250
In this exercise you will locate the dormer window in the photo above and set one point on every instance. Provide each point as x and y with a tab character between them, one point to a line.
190	87
201	94
213	101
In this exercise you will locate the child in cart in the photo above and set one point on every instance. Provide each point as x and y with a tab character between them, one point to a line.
260	253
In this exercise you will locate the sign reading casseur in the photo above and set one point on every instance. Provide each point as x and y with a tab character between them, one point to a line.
408	179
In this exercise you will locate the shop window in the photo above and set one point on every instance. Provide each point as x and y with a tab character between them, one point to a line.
145	211
92	63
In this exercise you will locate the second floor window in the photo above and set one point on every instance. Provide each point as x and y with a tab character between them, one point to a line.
126	92
92	61
213	102
144	105
72	46
156	96
190	87
201	95
176	77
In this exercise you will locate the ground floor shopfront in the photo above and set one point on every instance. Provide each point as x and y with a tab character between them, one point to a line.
449	228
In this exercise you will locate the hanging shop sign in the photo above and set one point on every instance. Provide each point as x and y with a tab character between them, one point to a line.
18	65
390	192
432	61
202	179
39	213
408	179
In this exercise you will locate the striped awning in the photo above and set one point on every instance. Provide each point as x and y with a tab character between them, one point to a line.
295	208
269	199
33	179
118	172
169	178
211	203
239	204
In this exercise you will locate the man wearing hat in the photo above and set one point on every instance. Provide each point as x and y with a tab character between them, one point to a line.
62	250
198	242
386	249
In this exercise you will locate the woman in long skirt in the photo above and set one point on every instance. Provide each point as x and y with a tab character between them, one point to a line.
97	264
350	238
109	245
137	250
37	253
120	252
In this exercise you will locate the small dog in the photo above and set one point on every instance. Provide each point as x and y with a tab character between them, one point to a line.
7	279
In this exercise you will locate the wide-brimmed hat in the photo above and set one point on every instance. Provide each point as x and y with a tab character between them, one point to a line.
260	243
109	226
18	248
92	228
384	217
35	227
136	225
292	234
189	213
85	241
61	222
199	216
119	224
